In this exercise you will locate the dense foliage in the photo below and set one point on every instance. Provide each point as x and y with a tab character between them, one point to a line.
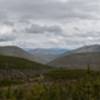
57	85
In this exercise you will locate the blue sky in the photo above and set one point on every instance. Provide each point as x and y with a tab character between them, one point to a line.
50	23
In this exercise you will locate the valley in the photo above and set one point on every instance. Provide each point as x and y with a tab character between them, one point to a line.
74	75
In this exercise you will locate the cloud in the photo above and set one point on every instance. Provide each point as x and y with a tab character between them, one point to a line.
51	9
39	29
52	23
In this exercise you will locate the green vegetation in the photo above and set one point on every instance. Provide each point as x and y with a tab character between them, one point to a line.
7	62
64	74
15	70
18	82
82	90
59	84
8	82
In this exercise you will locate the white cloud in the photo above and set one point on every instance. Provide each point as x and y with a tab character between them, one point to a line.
5	29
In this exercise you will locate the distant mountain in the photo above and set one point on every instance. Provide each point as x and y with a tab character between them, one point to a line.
79	58
16	52
46	55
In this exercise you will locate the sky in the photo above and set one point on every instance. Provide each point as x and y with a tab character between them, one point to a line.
49	23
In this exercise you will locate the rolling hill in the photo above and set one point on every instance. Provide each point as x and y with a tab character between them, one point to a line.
16	52
79	58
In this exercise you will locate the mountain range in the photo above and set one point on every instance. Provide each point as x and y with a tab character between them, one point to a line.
79	58
38	55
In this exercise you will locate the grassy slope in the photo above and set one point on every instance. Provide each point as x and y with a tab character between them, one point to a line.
7	62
